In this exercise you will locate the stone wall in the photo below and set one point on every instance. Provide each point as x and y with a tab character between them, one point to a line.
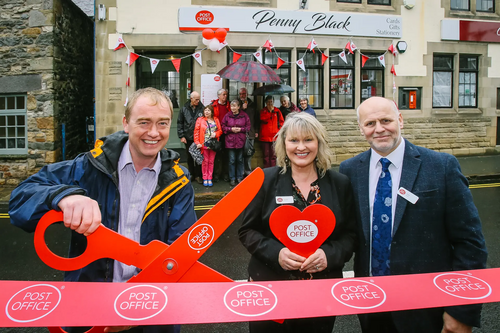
453	135
74	74
27	29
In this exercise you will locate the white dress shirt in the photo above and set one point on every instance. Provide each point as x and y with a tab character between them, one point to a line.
395	168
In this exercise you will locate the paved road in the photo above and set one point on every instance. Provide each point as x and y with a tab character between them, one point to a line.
18	261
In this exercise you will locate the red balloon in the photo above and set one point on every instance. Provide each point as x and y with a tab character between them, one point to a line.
208	34
220	34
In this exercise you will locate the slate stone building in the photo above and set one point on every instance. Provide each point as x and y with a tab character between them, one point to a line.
46	80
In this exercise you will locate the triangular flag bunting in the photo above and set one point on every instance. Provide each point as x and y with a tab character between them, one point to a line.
120	43
197	56
312	45
393	50
236	56
132	57
393	71
177	64
268	45
381	59
128	82
300	63
351	47
258	56
280	62
343	56
222	45
154	63
364	59
323	58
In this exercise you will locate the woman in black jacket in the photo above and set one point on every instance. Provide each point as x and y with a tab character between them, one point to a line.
302	176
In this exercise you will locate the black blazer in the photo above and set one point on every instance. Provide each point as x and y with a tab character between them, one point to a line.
441	232
256	236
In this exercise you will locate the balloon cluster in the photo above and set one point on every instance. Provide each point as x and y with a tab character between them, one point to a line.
214	39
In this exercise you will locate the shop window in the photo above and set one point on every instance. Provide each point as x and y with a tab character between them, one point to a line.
410	98
13	128
310	81
485	6
372	78
341	81
459	5
379	2
467	82
442	81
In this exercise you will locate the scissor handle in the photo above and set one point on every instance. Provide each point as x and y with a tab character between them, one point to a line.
102	243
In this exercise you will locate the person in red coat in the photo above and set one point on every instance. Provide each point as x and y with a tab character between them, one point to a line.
221	108
207	127
271	121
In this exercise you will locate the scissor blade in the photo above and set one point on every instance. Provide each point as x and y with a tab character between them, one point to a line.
180	256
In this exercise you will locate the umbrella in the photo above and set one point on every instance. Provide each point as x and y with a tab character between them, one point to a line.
249	71
273	89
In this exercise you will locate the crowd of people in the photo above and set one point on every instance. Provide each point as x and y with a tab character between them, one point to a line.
232	124
132	185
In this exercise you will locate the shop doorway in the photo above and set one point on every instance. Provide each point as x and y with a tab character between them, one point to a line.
175	84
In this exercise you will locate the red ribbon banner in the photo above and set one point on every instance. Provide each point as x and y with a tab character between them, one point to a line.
28	303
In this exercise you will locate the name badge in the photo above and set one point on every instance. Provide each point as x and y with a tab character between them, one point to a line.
284	200
407	195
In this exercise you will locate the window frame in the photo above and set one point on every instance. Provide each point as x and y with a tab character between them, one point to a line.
486	11
444	70
353	78
468	70
16	113
364	68
370	2
349	1
320	69
461	9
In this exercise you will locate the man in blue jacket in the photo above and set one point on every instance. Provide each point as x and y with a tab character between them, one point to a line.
128	182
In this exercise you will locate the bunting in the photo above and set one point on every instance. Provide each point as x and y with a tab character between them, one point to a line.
177	64
323	58
312	45
393	71
393	50
132	57
280	62
258	56
343	56
197	57
153	62
236	56
120	43
351	47
300	63
364	59
381	59
268	45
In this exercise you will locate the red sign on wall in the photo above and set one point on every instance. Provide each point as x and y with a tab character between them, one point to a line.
480	31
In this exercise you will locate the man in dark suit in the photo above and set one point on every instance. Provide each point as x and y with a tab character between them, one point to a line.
433	225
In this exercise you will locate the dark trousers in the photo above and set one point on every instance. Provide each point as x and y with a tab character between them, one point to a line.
194	169
269	156
247	161
235	163
309	325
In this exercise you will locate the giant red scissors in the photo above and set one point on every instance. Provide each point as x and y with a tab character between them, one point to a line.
158	261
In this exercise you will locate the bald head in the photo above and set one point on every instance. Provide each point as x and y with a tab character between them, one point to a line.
377	102
195	98
380	122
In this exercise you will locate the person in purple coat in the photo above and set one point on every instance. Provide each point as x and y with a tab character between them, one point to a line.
235	125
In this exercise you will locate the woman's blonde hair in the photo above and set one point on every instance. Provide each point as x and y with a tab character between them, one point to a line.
303	124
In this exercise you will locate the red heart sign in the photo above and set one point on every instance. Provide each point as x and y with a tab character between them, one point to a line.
302	232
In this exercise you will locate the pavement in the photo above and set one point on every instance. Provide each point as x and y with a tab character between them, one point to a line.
477	169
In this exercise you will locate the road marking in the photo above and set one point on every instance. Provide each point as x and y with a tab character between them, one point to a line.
207	207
